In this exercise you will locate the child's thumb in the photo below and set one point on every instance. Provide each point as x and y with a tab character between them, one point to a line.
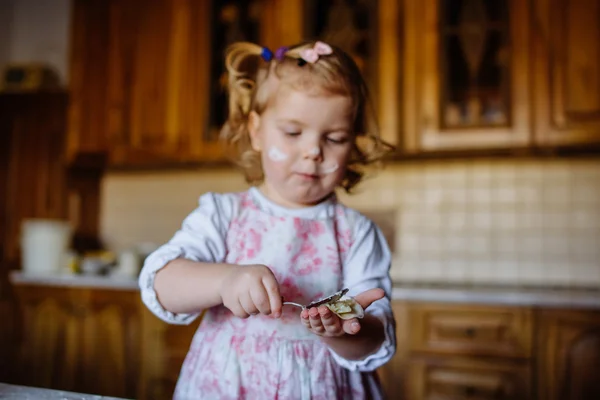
368	297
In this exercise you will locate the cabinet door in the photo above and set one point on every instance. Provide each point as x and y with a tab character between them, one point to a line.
456	379
48	353
567	72
88	77
164	348
569	355
465	74
110	342
158	81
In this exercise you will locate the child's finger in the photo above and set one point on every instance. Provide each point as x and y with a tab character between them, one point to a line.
272	288
260	298
248	305
304	318
315	321
351	326
329	320
366	298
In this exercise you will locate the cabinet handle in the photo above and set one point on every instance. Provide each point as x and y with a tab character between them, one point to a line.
470	332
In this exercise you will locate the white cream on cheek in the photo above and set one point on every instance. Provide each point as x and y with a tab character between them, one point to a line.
277	155
328	169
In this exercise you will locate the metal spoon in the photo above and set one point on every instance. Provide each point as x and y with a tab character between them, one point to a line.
330	299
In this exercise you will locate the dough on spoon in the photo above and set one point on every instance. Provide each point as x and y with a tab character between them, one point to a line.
346	308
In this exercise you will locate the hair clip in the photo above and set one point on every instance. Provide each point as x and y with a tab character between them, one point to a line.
266	54
312	55
280	52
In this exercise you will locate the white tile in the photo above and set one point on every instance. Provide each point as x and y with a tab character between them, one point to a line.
506	271
480	244
481	220
504	221
531	244
588	217
456	244
455	272
555	245
530	220
504	244
504	194
456	221
408	243
530	272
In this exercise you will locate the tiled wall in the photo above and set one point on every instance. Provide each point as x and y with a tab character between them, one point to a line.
482	221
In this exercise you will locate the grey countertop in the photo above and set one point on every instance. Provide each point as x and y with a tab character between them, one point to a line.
537	296
559	297
72	280
14	392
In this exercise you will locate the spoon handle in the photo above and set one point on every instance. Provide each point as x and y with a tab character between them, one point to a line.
293	304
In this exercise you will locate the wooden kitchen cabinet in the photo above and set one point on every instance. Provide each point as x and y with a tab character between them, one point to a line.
164	349
146	76
140	76
569	355
436	378
566	71
79	339
466	75
460	351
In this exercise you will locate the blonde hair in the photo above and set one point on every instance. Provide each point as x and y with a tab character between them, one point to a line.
250	90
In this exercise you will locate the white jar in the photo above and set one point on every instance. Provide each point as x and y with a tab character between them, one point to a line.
44	243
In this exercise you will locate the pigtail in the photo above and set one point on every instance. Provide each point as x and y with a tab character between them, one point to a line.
242	61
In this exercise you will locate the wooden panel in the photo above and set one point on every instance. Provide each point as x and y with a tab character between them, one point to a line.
88	76
454	379
421	105
164	348
471	330
569	355
159	75
36	174
567	71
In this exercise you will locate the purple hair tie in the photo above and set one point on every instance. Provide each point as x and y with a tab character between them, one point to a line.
266	54
280	52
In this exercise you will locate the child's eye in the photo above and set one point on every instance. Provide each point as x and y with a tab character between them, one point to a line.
292	133
336	139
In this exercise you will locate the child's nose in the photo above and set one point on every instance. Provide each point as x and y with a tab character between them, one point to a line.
313	152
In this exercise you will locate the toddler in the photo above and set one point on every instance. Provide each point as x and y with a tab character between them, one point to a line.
298	123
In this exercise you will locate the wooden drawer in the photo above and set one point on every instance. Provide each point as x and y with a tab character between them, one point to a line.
444	378
470	330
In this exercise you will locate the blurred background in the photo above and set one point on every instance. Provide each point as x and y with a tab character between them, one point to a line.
109	117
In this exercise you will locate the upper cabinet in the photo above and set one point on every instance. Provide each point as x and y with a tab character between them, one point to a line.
157	103
148	81
147	77
567	71
466	74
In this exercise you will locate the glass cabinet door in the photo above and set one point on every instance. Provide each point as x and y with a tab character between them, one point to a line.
466	70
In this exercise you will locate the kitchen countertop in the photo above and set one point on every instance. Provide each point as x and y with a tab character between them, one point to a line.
72	280
14	392
560	297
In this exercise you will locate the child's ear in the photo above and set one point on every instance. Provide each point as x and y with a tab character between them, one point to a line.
253	124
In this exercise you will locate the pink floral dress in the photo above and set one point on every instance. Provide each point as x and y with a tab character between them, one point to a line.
313	252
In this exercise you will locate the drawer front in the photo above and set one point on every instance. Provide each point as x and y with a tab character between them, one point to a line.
471	330
437	379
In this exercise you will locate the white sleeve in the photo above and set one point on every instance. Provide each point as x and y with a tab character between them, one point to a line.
200	238
367	266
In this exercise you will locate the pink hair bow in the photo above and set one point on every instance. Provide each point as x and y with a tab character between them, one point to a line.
312	55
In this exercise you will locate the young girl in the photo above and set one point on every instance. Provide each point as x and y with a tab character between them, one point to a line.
298	121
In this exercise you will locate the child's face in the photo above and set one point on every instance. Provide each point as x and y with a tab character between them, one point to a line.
305	141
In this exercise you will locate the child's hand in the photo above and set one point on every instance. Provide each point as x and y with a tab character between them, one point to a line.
323	322
250	290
